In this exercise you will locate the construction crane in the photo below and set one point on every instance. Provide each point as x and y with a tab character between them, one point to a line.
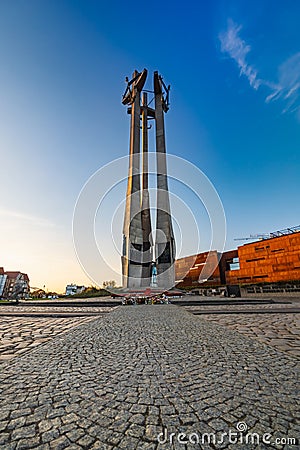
252	237
263	236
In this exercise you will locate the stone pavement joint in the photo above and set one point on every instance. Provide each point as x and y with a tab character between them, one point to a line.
119	380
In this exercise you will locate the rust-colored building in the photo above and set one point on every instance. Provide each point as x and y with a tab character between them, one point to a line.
198	269
266	261
269	260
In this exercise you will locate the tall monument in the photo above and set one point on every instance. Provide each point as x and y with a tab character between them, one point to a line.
140	256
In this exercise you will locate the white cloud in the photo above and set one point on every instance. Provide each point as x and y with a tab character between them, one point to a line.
237	49
286	89
30	219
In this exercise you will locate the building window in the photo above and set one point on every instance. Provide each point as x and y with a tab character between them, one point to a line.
235	264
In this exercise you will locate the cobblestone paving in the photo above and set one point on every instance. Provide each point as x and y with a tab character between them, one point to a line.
249	307
71	299
53	309
282	331
18	335
119	380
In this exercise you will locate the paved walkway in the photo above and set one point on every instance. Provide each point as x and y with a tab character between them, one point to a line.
274	324
20	334
281	331
48	311
119	380
284	304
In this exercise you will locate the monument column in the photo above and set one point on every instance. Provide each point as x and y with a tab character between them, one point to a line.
137	256
132	229
164	241
146	217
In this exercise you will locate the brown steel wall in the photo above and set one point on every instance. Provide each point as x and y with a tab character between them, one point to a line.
269	260
226	256
189	269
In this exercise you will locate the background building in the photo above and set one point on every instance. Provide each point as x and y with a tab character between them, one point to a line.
16	285
270	260
72	289
3	278
189	269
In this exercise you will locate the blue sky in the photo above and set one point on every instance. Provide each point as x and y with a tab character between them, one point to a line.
234	70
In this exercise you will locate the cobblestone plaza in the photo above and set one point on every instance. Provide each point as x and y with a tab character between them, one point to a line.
118	380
